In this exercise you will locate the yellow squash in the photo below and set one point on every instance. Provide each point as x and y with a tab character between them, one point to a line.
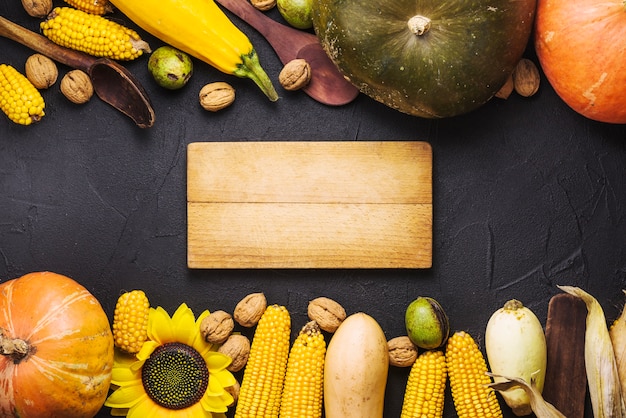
201	29
356	369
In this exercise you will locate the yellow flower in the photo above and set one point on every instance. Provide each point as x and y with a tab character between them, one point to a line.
176	374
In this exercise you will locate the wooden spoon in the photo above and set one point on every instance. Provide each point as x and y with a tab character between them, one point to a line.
113	83
327	85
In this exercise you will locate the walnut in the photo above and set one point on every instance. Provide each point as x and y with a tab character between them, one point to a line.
526	78
37	8
77	87
402	352
41	71
217	327
263	5
216	96
295	75
327	313
237	347
249	310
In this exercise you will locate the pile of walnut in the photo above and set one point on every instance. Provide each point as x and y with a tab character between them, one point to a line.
218	326
43	73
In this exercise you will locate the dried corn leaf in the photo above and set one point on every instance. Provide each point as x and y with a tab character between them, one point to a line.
600	364
540	407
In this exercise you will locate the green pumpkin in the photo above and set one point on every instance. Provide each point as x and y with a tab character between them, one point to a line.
428	58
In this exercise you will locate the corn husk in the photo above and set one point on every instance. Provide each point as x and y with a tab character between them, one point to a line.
540	407
617	331
600	364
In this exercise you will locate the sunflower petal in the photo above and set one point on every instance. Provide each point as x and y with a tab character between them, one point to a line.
119	412
124	375
217	361
148	409
126	396
198	342
160	327
215	387
184	324
194	411
224	377
216	403
121	359
203	347
146	349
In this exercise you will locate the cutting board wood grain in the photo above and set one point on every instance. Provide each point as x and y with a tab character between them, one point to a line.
566	379
334	204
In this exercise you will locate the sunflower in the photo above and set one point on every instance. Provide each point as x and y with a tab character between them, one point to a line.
176	373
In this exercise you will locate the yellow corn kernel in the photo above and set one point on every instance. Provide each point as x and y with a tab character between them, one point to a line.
19	99
425	387
304	381
92	34
469	381
95	7
264	375
130	321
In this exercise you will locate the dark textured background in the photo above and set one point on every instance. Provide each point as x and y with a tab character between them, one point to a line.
527	195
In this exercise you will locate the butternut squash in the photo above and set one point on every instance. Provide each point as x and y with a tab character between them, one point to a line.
201	29
356	368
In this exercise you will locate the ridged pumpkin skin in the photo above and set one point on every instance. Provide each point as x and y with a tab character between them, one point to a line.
67	370
456	66
581	46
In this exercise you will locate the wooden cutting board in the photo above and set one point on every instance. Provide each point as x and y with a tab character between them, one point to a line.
309	204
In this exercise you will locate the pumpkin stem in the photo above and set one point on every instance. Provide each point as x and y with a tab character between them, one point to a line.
419	25
13	347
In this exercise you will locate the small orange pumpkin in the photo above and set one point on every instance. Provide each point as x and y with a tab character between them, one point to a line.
56	348
581	46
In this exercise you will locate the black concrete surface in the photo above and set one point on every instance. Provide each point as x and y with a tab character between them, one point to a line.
527	195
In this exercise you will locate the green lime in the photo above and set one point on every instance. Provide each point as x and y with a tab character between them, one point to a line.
426	323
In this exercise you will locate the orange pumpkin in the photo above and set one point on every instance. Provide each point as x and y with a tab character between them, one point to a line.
581	46
65	370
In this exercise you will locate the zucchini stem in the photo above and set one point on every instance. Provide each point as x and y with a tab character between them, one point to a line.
251	68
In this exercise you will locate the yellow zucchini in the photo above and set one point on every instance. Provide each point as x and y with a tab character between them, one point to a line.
356	368
201	29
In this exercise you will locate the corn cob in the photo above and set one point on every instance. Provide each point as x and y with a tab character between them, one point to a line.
469	381
425	388
19	99
95	7
92	34
304	381
130	321
264	375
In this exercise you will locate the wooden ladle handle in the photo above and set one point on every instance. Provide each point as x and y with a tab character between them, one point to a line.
44	46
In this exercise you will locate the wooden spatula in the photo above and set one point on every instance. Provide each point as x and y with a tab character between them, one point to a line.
566	380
